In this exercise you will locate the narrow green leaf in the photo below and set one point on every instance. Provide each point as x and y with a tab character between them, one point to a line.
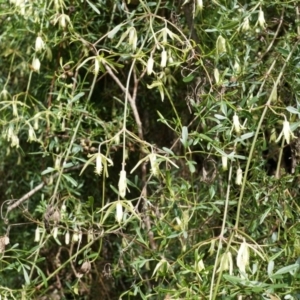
112	33
95	9
188	78
70	179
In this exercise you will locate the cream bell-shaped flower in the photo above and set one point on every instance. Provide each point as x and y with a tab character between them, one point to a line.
39	44
246	25
237	126
36	64
286	132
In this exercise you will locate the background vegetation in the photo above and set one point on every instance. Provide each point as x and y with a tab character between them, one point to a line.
149	150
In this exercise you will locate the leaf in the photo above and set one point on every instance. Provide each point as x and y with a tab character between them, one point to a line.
93	7
293	110
288	269
112	33
70	179
245	136
78	96
188	78
26	277
48	170
169	151
191	165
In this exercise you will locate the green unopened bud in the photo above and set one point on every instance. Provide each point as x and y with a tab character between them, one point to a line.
97	66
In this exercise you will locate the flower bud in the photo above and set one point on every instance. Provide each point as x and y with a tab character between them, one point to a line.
97	66
239	176
132	38
39	44
119	211
99	165
75	237
217	75
150	64
37	234
164	58
261	19
67	238
122	184
224	163
36	124
55	232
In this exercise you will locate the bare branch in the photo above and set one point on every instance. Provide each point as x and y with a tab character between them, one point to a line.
33	191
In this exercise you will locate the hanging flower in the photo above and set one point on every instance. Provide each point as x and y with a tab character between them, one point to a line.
36	65
39	44
286	132
246	25
236	124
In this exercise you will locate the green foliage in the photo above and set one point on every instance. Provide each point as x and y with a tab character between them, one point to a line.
149	150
